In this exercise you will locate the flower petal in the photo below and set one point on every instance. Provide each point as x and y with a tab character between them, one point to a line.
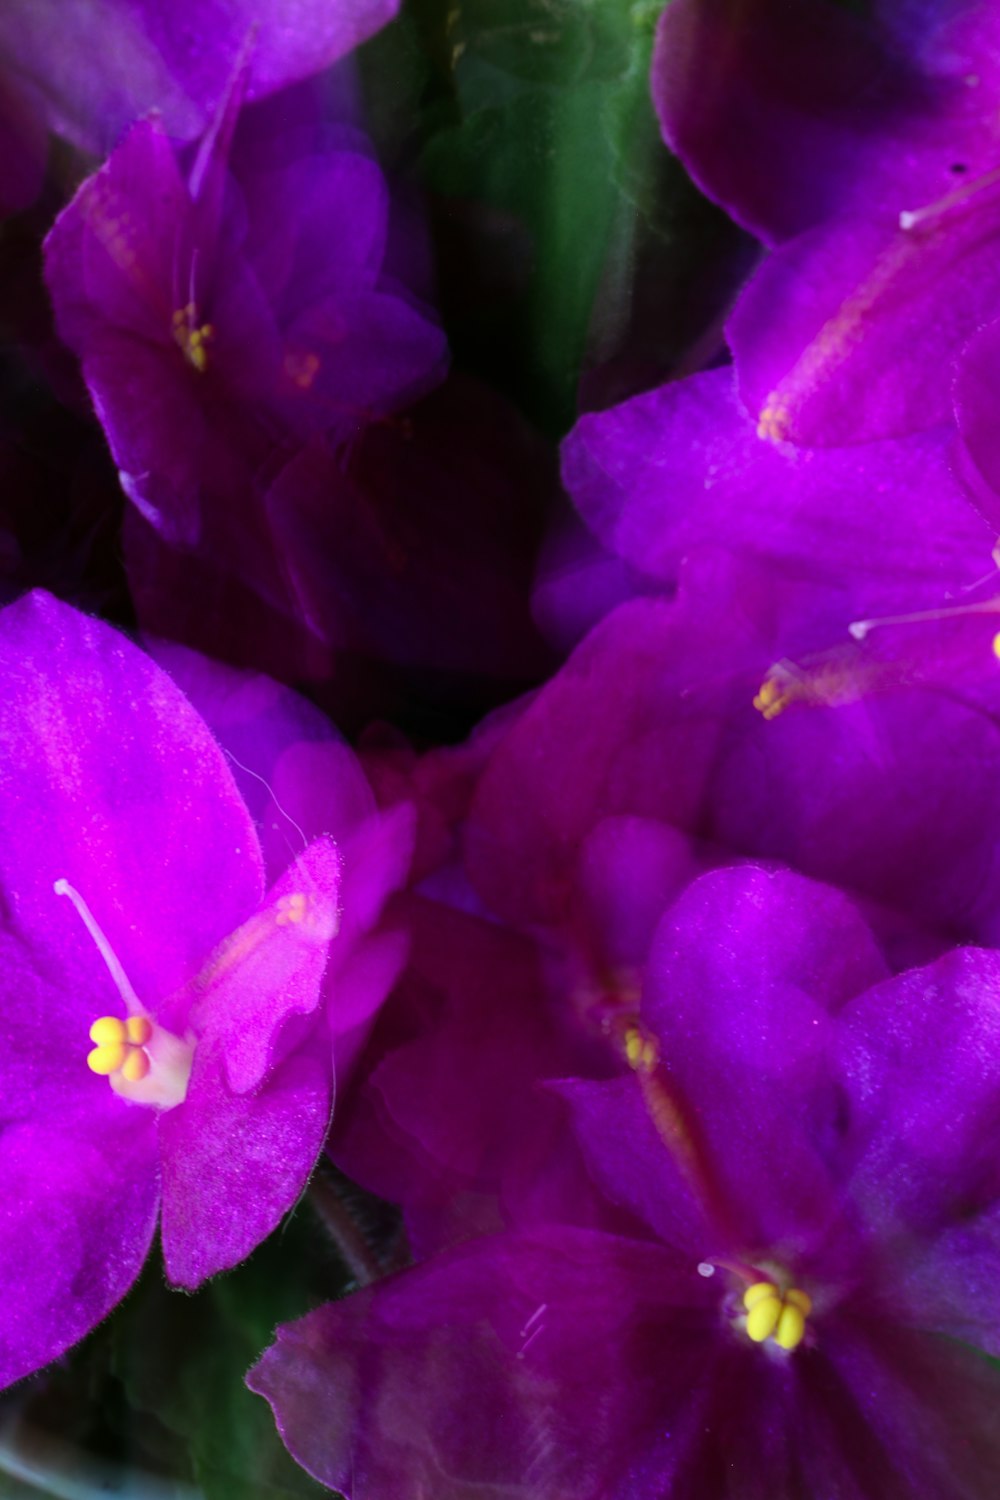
233	1164
78	1205
542	1367
110	780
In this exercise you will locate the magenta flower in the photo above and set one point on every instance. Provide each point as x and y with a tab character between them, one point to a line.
866	149
804	1143
209	1086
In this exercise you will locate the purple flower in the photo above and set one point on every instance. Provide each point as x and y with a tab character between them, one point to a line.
222	323
118	59
873	143
885	788
806	1144
210	1084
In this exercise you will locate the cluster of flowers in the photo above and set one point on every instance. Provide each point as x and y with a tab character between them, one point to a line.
667	1006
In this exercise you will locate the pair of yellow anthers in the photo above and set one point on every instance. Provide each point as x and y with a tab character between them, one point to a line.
191	338
120	1046
777	1315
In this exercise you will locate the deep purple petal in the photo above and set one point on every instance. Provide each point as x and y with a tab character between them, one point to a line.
635	1168
538	1364
890	796
683	467
318	224
919	1060
296	776
908	1416
112	255
117	59
746	969
848	333
23	148
790	112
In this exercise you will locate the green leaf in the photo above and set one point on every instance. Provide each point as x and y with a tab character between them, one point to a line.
181	1361
555	139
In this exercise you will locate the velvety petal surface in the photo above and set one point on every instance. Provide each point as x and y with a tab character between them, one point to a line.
270	969
848	333
919	1060
746	969
234	1164
977	379
792	111
903	813
884	526
118	59
109	779
296	776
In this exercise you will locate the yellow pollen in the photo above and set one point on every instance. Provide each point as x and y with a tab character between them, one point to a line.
107	1059
829	679
119	1047
191	337
292	909
108	1029
641	1051
996	645
136	1065
771	698
772	424
772	1314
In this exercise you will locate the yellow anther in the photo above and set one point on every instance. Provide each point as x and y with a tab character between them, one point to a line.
191	338
139	1029
763	1304
771	698
791	1327
759	1292
107	1059
136	1065
794	1297
108	1029
640	1049
996	644
777	1315
119	1047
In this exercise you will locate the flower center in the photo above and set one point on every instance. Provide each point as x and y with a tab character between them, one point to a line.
192	337
776	1315
143	1062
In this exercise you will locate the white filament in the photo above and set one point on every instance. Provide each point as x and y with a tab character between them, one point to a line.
104	948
